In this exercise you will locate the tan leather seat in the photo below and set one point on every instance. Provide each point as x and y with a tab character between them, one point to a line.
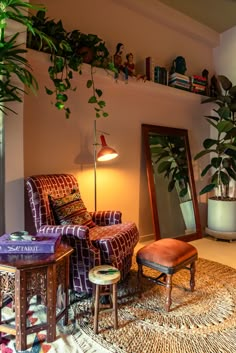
167	256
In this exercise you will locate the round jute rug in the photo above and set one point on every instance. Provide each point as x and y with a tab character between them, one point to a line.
200	322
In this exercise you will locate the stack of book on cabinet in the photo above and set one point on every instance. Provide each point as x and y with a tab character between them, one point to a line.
179	81
198	84
29	244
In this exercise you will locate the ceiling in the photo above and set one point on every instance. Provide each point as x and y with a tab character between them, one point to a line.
220	15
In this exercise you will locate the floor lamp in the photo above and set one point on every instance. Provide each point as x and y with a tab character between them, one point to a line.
106	153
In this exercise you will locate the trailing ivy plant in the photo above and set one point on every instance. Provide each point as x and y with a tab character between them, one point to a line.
14	68
72	49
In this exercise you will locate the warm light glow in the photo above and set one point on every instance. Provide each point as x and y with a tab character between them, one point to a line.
106	153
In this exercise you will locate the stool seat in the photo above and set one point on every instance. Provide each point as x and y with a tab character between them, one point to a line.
104	275
112	275
167	256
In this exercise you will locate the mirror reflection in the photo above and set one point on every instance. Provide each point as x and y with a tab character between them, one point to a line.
171	185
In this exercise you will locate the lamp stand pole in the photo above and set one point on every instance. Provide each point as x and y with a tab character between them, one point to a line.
95	164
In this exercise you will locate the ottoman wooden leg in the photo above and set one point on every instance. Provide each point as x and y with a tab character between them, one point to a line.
139	279
192	275
168	292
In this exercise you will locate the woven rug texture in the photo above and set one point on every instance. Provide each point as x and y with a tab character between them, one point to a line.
203	321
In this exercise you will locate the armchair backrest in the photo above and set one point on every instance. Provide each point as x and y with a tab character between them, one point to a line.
39	187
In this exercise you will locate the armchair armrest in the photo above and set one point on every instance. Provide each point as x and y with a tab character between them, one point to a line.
77	231
105	218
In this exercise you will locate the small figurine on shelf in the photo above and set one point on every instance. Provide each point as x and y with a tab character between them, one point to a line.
118	60
215	89
129	68
179	65
205	74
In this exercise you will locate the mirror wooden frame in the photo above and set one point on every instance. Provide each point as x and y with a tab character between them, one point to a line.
168	131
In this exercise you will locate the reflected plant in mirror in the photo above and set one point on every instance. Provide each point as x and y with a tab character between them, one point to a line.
171	183
168	152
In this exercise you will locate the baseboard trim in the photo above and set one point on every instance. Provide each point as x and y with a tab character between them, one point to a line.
146	237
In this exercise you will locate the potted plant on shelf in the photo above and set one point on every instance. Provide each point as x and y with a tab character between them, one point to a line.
222	165
71	50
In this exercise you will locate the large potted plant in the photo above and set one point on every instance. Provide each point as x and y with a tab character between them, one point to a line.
221	167
15	70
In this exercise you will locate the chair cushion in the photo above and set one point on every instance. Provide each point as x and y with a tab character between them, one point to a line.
70	209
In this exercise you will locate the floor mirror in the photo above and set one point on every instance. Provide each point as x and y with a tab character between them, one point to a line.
171	184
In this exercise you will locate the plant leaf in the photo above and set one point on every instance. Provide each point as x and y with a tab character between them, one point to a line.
205	170
89	83
209	143
207	188
92	99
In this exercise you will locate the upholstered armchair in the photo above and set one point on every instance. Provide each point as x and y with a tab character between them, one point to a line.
102	239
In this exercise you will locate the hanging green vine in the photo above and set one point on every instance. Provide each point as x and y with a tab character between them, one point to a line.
72	49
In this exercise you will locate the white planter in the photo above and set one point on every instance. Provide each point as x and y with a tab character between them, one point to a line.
222	216
188	215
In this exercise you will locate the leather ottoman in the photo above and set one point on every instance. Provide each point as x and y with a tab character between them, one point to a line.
167	256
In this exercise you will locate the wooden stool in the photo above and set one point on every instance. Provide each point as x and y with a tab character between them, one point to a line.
167	256
102	276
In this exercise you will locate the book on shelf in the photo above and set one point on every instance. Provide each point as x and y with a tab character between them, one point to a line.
161	75
149	68
34	244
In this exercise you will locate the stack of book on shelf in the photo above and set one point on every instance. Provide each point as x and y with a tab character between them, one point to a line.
29	244
179	81
198	84
161	75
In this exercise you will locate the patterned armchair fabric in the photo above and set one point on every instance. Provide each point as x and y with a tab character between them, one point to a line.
109	242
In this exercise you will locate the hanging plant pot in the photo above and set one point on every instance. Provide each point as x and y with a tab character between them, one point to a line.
87	54
221	219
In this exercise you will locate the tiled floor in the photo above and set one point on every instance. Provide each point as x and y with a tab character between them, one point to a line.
211	249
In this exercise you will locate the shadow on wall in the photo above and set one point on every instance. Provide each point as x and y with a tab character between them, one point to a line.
85	155
29	223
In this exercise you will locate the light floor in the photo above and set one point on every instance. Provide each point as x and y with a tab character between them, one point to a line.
211	249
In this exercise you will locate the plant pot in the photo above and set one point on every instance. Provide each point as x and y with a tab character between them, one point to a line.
188	214
221	219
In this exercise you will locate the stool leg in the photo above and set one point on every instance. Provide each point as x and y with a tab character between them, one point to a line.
139	276
168	292
96	309
114	289
192	275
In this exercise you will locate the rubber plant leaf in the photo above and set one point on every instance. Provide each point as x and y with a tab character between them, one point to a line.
224	126
224	178
231	173
205	170
216	161
207	188
209	143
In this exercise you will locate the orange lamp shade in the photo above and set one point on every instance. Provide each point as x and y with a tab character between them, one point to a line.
106	153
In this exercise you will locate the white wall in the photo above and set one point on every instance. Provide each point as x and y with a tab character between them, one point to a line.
14	158
224	55
54	144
